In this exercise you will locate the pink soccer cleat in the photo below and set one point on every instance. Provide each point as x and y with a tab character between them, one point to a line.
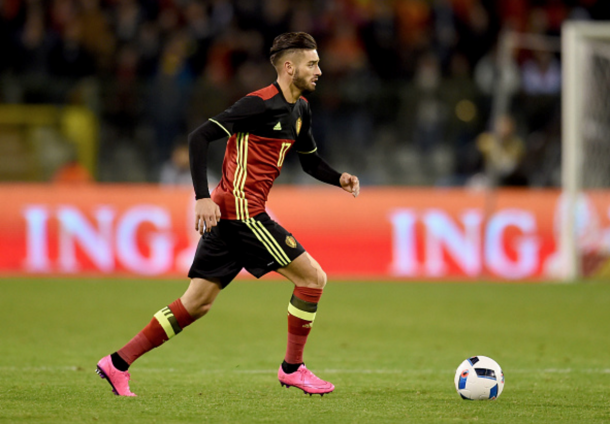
305	380
119	380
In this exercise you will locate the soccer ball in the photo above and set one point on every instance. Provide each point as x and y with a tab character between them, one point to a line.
479	378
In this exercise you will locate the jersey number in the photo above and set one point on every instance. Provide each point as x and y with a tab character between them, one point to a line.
283	150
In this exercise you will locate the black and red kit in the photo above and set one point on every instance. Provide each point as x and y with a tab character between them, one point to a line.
262	128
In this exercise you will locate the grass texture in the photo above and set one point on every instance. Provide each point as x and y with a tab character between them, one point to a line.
391	350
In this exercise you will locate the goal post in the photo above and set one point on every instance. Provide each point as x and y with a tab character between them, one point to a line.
585	167
582	215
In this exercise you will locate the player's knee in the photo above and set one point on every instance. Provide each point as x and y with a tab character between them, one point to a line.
200	309
200	296
317	280
322	279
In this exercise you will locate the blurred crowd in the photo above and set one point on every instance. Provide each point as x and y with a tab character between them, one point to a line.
405	97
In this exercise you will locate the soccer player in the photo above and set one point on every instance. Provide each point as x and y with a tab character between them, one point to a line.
236	231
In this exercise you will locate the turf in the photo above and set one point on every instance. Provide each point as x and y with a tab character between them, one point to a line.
391	349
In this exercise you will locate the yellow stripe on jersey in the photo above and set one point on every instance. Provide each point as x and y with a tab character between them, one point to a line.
283	150
220	125
264	239
273	241
306	153
243	184
299	313
263	235
241	173
238	173
241	203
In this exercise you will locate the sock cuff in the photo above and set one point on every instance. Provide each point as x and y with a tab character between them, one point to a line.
308	294
304	303
182	316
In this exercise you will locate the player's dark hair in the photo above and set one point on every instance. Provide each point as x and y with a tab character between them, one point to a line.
288	42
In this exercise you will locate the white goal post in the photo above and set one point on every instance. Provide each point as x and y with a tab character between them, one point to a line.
585	166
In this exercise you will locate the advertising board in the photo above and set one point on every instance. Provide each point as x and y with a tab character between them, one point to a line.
385	233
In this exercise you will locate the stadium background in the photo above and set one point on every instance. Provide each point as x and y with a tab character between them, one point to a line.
105	92
96	222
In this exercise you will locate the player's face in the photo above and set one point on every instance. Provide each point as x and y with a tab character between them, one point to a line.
307	71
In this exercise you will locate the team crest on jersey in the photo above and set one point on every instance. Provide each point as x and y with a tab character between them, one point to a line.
291	242
299	125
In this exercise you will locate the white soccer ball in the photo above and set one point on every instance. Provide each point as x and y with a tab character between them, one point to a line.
479	378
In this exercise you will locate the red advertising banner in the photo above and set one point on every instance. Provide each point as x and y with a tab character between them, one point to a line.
385	233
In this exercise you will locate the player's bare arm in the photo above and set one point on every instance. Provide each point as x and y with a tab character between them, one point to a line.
350	183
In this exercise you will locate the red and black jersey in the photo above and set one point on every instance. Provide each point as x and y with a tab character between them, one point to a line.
262	128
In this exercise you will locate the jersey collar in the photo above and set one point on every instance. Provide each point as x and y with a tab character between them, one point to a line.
279	89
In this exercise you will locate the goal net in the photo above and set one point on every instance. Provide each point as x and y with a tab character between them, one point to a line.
585	240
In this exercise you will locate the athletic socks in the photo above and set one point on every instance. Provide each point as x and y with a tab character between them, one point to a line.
118	362
301	314
165	324
172	319
290	368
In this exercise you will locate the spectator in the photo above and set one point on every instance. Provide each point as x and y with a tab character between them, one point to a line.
126	20
489	79
169	95
33	45
69	62
157	66
96	35
541	75
176	171
72	171
503	150
430	112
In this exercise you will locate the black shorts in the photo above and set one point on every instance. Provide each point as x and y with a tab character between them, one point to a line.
258	244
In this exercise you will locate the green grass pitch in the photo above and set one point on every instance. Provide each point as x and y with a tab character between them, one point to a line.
391	349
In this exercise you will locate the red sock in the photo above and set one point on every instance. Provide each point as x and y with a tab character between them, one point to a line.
301	314
166	323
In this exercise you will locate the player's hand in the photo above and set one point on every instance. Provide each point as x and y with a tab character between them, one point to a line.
207	215
350	184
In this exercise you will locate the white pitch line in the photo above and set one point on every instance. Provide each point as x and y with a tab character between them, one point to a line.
325	371
433	371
